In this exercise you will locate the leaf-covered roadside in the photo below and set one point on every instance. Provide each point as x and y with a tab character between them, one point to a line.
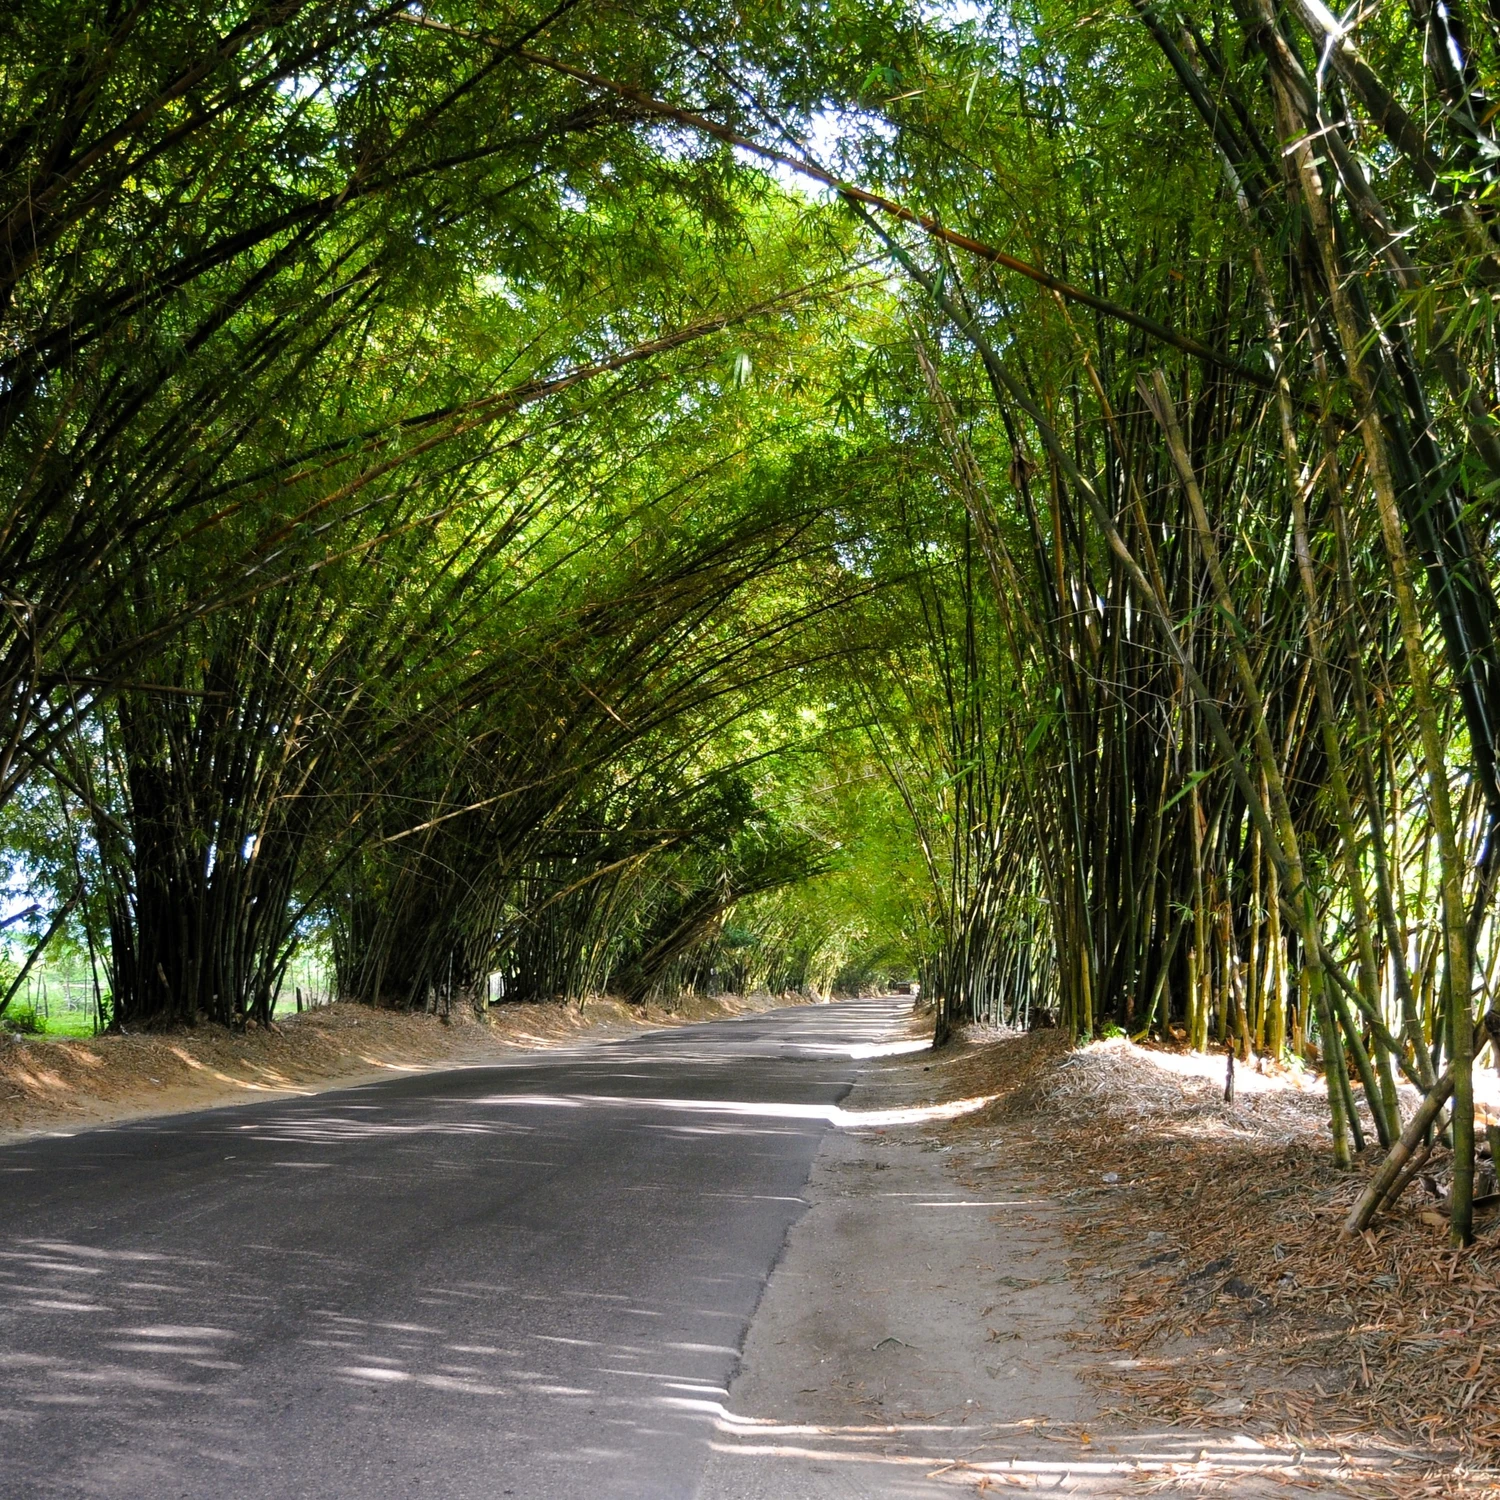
1202	1233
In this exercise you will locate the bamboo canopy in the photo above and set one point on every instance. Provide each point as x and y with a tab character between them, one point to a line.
594	501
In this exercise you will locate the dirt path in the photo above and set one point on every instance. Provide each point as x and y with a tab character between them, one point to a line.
932	1326
56	1084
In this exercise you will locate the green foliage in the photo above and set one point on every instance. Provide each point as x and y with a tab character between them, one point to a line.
457	503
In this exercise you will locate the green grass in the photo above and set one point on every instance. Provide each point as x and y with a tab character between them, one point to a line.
59	1023
30	1017
69	1023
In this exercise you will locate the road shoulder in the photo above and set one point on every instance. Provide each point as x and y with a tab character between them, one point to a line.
921	1334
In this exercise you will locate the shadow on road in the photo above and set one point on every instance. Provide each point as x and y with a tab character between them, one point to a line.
526	1279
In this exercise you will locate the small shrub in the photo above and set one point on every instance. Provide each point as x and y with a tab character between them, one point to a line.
24	1019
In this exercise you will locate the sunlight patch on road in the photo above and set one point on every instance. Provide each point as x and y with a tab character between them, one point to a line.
831	1114
868	1049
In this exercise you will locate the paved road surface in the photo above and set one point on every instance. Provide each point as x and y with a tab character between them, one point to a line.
530	1279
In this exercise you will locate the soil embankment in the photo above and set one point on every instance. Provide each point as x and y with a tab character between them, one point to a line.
71	1083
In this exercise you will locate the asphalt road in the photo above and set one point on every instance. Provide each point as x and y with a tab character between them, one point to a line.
531	1279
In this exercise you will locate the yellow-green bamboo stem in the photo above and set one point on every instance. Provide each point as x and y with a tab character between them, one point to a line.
1458	976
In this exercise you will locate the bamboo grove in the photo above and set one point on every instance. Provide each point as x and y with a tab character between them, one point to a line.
1239	561
781	497
391	533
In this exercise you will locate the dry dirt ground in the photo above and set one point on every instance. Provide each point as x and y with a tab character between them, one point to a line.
66	1084
1103	1280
